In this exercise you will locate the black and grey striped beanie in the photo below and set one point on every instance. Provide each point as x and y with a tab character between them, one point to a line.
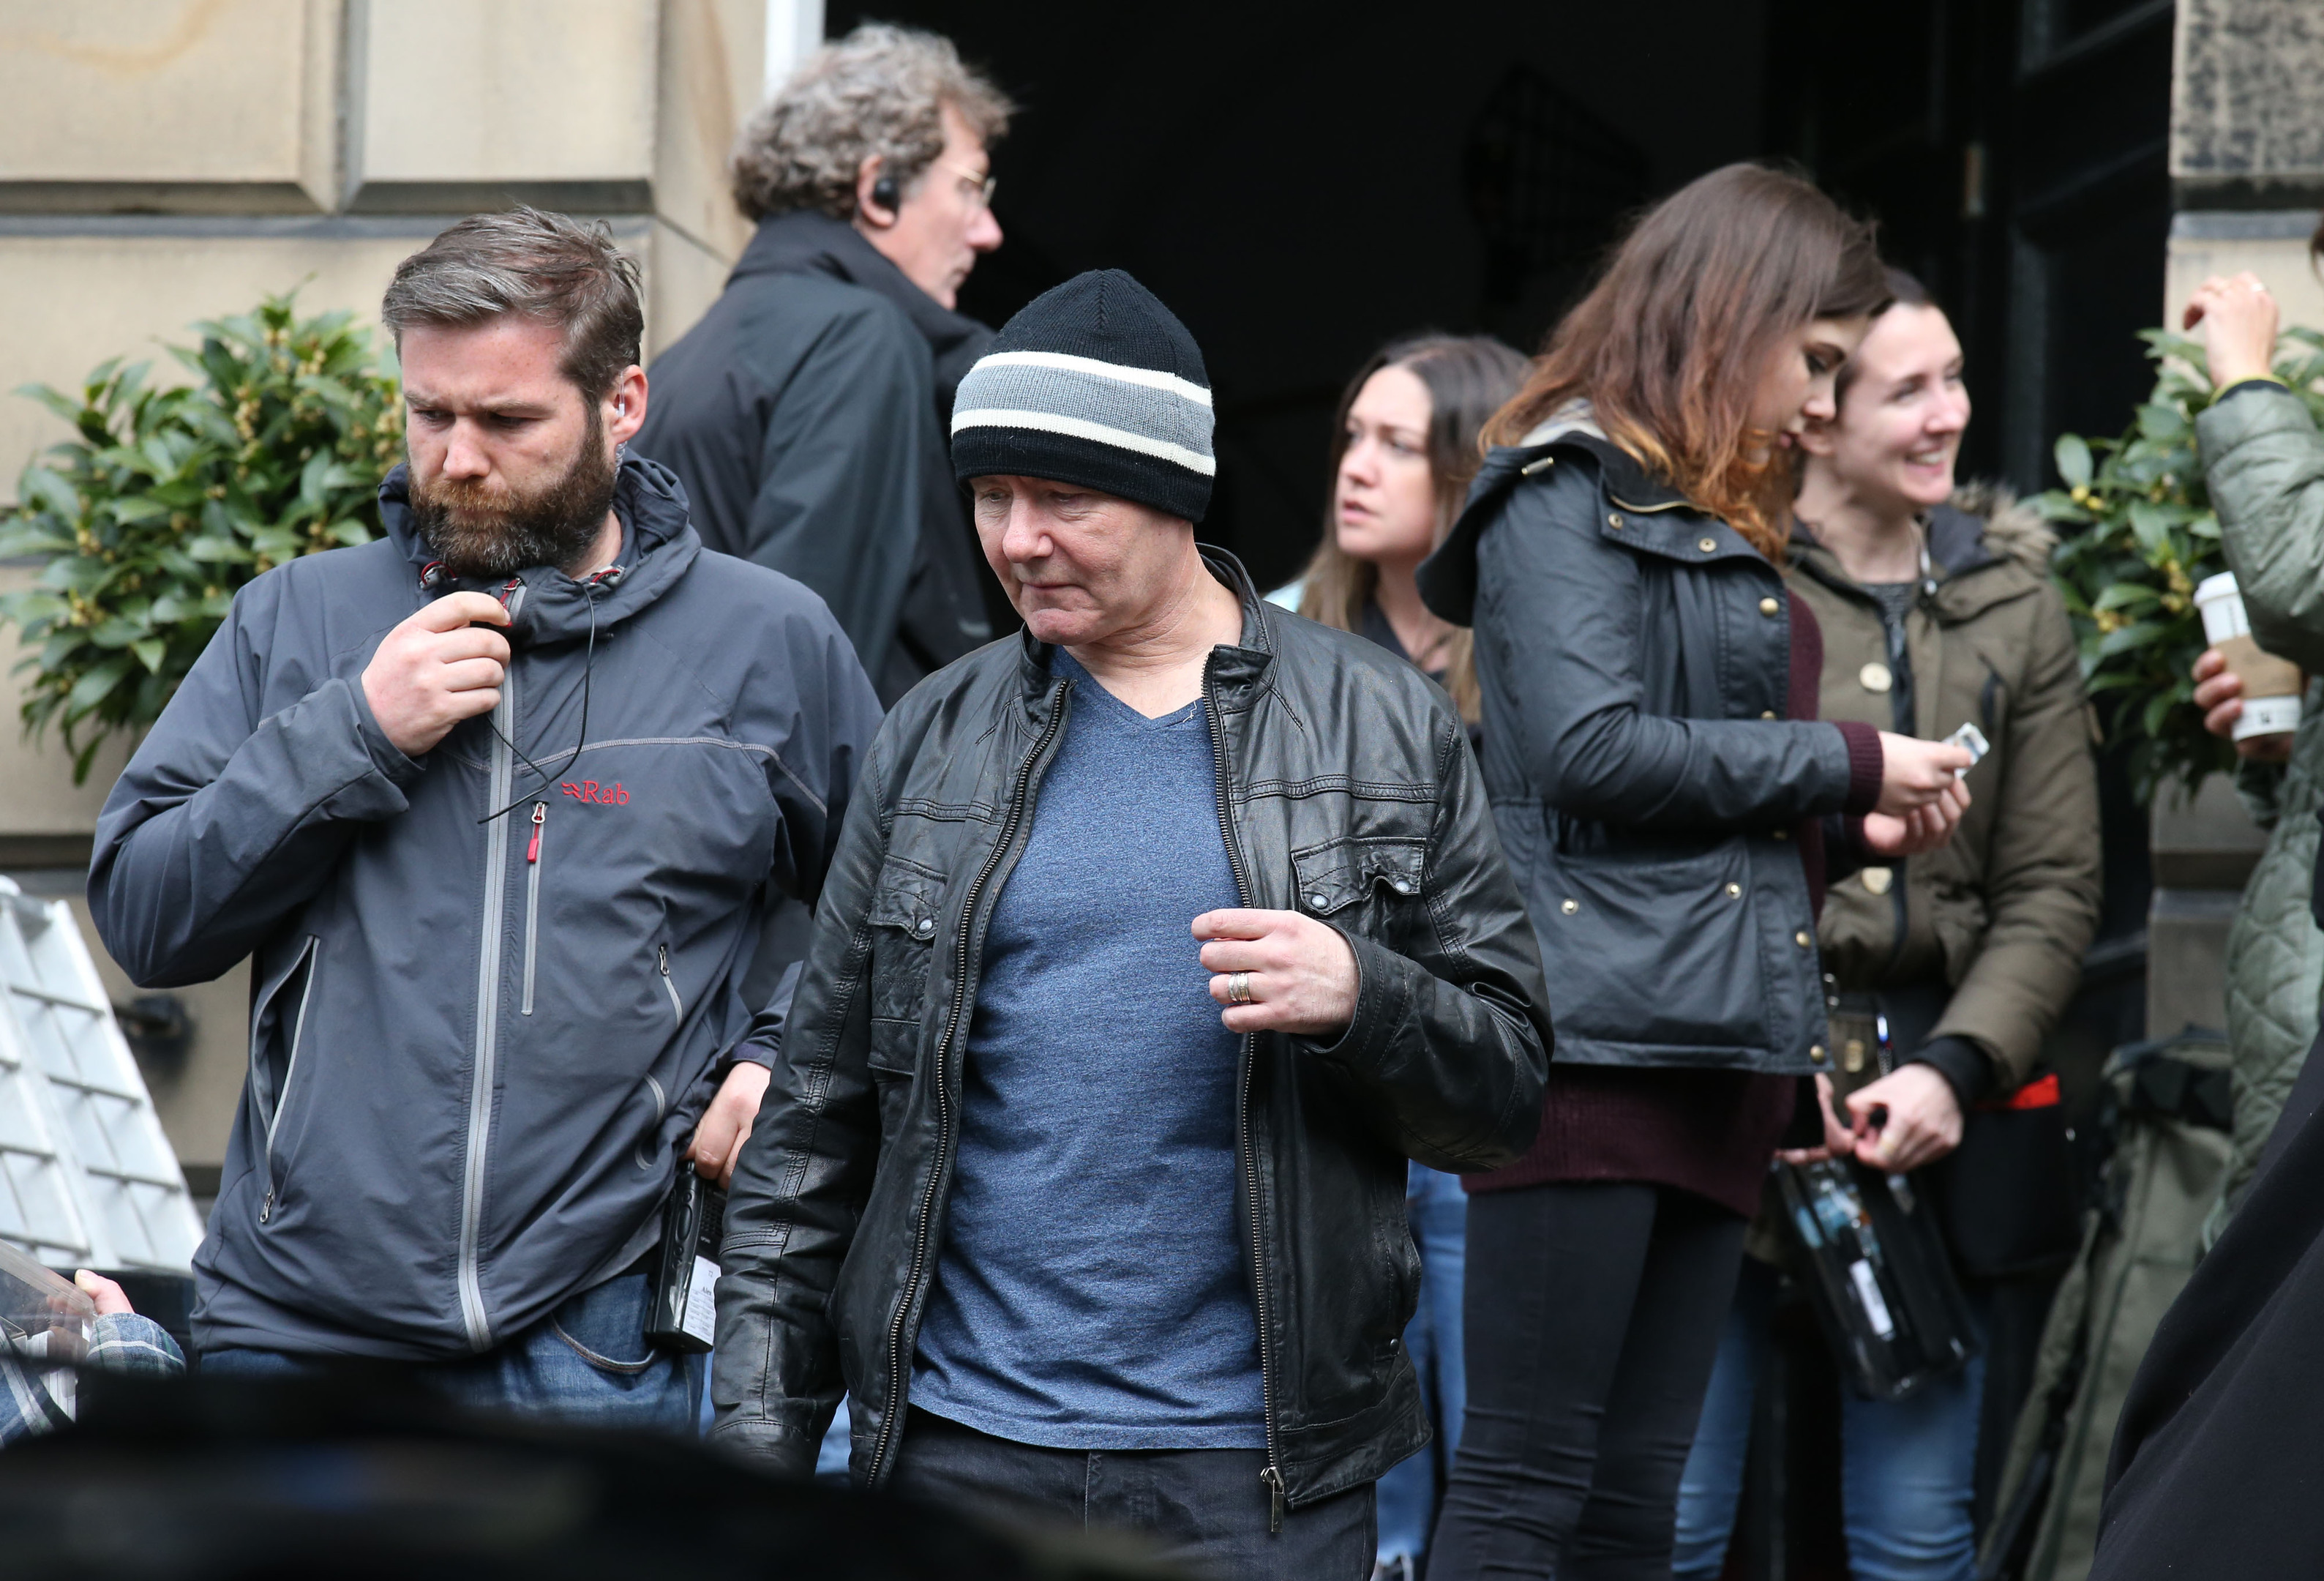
1096	383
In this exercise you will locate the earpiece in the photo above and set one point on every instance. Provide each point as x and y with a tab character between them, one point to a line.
621	408
884	193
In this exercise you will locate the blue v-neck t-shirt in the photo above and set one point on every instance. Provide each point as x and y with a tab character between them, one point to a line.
1092	1292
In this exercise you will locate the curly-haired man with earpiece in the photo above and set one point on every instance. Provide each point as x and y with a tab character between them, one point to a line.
805	412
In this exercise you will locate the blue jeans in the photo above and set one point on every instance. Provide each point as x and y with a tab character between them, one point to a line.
1908	1467
1438	1211
586	1362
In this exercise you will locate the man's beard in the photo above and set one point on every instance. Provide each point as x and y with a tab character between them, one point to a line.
487	534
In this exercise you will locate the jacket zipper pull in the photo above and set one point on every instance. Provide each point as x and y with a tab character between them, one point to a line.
266	1208
1274	1481
663	951
540	816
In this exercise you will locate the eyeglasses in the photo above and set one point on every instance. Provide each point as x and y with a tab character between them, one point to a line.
981	186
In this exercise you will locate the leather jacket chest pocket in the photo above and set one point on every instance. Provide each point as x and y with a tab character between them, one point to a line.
1370	887
902	923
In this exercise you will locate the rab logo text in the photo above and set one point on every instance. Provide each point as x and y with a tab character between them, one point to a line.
611	795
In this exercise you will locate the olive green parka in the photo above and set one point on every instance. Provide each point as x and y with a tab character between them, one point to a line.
2002	913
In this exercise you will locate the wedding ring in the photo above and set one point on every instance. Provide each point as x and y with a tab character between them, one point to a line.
1239	988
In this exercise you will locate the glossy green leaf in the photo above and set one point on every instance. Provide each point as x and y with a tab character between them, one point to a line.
2073	455
176	502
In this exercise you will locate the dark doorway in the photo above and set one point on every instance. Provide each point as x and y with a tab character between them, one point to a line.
2013	153
1302	184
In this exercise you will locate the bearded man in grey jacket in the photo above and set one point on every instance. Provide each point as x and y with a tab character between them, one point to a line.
493	804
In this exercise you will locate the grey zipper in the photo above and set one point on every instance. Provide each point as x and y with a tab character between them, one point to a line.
1059	695
289	1069
676	1006
488	1015
1246	1149
533	897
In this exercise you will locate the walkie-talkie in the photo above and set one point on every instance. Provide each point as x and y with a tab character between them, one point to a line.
685	1314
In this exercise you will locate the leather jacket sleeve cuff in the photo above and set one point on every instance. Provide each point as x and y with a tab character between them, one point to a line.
1964	1065
1865	762
1380	1006
766	1446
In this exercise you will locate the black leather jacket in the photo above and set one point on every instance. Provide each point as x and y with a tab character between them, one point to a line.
1347	791
1634	655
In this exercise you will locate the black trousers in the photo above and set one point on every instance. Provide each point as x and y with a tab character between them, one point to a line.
1204	1509
1592	1320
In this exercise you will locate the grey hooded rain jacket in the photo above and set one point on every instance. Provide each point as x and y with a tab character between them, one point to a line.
477	1047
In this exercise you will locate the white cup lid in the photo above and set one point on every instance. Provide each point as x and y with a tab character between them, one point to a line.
2222	586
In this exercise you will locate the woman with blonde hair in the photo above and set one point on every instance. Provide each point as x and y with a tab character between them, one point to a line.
1672	807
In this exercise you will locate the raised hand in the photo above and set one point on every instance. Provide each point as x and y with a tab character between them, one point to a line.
436	670
2237	318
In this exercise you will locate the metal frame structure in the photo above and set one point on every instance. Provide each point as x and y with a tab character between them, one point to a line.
87	1177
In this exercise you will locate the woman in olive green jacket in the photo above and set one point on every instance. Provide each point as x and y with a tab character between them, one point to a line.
1937	611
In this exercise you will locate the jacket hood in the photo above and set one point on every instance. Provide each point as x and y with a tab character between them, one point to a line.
2012	528
804	242
1984	527
548	606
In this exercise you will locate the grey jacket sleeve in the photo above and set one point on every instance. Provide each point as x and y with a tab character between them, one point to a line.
1450	1046
2263	462
227	819
814	781
1563	614
840	485
804	1176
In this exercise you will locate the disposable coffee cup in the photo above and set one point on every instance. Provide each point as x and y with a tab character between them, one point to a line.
2271	684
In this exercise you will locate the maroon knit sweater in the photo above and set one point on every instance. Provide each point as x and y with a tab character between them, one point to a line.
1708	1131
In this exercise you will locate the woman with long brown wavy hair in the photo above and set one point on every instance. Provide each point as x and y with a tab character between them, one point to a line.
1404	450
1672	809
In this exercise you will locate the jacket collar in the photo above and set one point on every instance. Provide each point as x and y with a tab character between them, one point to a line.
1657	512
804	242
1236	670
659	541
1959	557
1627	482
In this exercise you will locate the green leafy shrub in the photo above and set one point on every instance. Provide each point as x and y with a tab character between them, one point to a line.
2148	538
166	500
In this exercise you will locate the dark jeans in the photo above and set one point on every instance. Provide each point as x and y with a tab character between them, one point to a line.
1593	1318
1204	1508
586	1362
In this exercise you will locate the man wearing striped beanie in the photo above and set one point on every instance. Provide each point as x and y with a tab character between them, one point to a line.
1157	937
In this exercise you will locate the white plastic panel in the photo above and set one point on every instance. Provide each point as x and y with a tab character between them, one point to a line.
87	1176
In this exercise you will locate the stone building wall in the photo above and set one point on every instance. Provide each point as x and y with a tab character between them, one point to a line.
167	161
